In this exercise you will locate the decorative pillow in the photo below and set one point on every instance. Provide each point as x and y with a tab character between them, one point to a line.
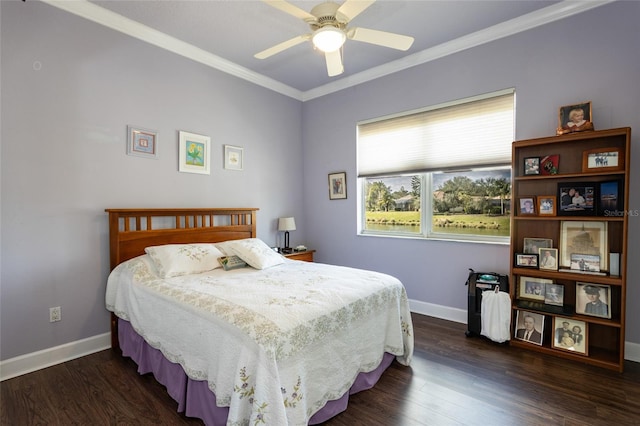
173	260
255	252
231	262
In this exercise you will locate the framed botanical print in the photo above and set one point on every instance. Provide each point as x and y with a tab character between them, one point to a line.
194	153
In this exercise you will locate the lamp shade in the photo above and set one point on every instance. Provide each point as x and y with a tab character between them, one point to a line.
286	224
328	39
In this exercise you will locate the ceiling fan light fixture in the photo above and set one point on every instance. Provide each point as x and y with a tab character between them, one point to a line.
329	39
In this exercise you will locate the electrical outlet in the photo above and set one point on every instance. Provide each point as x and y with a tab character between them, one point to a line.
55	314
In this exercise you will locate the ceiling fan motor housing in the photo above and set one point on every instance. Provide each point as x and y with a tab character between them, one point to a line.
325	14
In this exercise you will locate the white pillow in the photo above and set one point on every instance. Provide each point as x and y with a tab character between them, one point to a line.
255	252
173	260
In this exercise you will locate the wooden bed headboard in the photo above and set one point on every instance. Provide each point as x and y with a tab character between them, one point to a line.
132	230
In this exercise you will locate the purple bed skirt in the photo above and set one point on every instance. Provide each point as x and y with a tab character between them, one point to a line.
194	397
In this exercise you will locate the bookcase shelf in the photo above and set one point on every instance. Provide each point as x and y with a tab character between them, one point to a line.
594	231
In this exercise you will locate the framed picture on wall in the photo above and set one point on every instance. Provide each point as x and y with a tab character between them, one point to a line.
338	186
233	157
142	142
194	153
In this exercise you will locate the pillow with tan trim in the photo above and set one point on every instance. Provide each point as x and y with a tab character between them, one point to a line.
255	252
173	260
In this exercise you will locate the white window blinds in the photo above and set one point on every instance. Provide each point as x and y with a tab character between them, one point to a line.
471	133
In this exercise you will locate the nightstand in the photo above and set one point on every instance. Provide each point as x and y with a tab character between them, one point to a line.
306	256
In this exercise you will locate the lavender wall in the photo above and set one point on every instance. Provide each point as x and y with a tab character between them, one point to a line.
70	87
69	90
592	56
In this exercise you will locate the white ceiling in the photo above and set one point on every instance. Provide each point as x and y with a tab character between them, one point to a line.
226	34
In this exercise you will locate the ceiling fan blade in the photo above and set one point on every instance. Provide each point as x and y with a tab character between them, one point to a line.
334	63
381	38
352	8
291	10
282	46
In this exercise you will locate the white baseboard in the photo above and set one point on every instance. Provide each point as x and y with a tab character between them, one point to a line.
28	363
631	350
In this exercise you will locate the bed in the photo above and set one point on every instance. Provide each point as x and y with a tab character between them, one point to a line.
276	342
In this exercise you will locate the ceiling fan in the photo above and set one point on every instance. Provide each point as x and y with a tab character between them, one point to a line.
328	22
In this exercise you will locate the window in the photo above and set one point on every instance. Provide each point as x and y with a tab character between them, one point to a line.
441	172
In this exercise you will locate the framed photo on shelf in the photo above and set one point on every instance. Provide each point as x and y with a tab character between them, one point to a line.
527	206
610	196
526	260
585	262
549	165
142	142
574	118
583	237
233	157
593	300
532	245
532	166
338	186
532	288
546	205
548	259
529	327
554	294
603	159
194	153
577	199
570	335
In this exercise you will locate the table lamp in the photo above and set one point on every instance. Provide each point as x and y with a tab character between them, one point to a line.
286	224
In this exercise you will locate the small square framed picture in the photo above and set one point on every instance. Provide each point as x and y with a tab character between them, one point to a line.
549	164
527	206
570	335
233	157
575	118
532	166
548	259
554	294
546	205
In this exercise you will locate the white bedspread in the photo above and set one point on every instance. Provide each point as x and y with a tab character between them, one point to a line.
274	345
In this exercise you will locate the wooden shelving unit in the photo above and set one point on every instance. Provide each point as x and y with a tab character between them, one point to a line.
604	337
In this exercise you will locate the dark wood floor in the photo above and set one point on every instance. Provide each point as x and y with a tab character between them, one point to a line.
454	380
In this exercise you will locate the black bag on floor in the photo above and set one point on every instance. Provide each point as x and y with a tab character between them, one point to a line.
479	282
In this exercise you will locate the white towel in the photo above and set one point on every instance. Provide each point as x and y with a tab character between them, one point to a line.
495	315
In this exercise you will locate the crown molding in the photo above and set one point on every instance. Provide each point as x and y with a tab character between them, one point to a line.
517	25
95	13
117	22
